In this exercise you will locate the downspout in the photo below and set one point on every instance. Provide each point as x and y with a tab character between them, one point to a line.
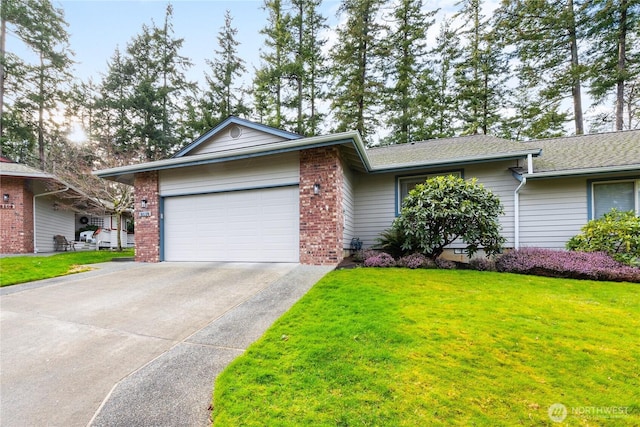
516	208
516	202
35	231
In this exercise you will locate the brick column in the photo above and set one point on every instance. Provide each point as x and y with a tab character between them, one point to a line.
147	228
16	217
321	216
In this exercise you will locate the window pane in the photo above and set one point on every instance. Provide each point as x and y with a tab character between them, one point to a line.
619	195
409	183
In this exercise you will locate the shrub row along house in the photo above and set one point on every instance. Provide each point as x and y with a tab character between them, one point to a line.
248	192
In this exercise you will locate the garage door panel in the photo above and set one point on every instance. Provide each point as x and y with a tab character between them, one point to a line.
253	226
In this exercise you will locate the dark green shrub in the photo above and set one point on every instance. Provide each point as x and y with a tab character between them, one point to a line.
616	233
446	208
391	241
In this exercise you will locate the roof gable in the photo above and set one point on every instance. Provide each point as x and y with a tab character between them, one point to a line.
234	133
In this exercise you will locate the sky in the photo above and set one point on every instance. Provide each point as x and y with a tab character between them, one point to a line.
98	27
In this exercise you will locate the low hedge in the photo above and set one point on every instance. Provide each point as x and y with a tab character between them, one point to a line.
565	264
534	261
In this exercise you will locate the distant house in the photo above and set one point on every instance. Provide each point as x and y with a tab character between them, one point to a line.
249	192
35	207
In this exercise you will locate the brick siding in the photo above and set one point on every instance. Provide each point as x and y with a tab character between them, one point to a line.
147	227
321	216
16	217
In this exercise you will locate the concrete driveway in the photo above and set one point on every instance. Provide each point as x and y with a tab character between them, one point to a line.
134	344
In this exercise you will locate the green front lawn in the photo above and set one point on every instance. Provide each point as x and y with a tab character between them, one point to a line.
23	269
397	347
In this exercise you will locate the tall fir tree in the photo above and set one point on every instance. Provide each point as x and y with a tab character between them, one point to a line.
444	57
357	78
410	87
614	37
271	79
224	96
308	70
480	73
38	91
544	36
114	115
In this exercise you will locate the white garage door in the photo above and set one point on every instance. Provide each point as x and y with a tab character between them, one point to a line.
247	226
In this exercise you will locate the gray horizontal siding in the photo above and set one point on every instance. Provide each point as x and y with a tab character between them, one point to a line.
348	207
497	178
374	206
50	222
375	199
552	211
282	169
223	141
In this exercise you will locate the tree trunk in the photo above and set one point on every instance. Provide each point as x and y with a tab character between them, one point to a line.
41	154
119	226
622	51
3	35
575	88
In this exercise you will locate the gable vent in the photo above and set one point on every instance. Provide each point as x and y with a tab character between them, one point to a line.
235	132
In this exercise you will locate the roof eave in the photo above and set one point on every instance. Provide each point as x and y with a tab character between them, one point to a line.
457	161
125	174
583	172
43	175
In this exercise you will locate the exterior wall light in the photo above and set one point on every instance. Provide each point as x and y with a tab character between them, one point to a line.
316	188
5	198
143	203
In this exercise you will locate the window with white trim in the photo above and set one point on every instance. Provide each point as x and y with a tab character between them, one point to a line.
622	195
97	221
408	183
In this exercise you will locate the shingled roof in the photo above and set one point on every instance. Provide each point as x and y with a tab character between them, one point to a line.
584	152
10	168
448	151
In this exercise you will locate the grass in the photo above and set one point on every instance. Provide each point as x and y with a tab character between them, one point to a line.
397	347
21	269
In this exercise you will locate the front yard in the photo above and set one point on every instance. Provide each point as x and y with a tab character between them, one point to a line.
397	347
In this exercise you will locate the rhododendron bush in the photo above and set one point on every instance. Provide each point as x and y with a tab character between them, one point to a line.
447	208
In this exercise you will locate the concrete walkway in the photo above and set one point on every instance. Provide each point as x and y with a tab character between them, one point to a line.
134	344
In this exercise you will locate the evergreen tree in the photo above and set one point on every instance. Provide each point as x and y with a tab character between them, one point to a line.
224	97
158	82
480	74
357	67
114	113
410	86
445	55
613	34
545	37
270	83
38	91
307	72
